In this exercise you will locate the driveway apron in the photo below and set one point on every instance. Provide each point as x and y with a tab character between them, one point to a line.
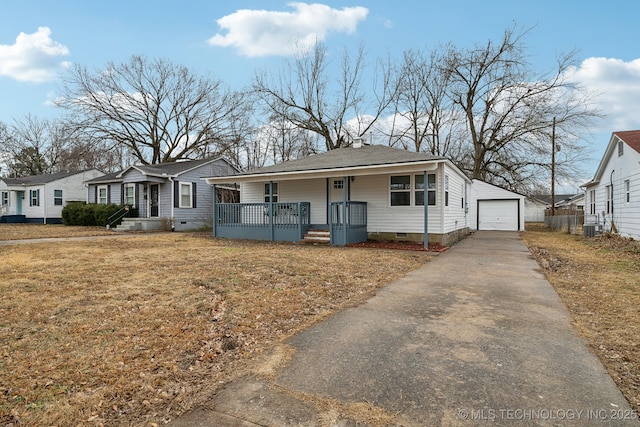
477	336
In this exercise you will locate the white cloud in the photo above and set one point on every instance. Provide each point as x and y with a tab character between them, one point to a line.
33	57
617	85
266	33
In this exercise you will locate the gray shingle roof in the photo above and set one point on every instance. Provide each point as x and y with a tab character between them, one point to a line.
342	158
39	179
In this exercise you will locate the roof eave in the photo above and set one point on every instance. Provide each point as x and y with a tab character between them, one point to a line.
328	172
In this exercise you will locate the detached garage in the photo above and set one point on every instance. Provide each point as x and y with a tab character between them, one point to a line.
494	208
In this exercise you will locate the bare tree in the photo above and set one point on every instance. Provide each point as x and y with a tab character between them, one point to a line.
508	111
304	95
34	146
157	110
424	118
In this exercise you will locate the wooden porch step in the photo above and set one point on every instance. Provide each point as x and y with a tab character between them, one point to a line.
317	237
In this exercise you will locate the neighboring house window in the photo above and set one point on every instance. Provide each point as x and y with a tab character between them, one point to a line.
620	148
275	192
103	195
627	191
446	190
57	197
34	197
130	194
609	191
185	195
401	190
431	190
592	202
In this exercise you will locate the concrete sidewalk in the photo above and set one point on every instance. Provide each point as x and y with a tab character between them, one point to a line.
476	336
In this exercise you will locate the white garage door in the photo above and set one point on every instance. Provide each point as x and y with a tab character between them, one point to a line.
498	215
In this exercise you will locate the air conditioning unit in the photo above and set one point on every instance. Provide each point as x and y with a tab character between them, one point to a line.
589	230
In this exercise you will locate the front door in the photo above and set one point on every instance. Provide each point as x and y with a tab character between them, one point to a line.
19	196
155	200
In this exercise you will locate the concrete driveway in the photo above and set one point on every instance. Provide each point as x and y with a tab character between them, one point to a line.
477	336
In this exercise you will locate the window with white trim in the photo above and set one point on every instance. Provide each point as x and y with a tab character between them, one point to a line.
620	148
275	192
5	198
34	197
400	189
130	194
338	184
57	197
446	190
609	190
627	191
592	202
103	195
431	189
186	199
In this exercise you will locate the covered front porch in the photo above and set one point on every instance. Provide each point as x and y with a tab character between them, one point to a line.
289	221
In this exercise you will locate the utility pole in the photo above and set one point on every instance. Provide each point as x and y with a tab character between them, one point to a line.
553	168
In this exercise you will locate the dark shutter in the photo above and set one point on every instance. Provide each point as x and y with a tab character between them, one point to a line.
176	194
38	197
108	193
122	198
30	197
95	194
193	195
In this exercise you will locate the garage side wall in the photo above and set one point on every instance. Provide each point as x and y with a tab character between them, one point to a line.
481	197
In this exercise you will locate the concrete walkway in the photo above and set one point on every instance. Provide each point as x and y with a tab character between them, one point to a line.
476	336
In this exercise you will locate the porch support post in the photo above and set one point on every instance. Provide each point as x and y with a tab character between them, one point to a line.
215	211
272	231
426	210
344	209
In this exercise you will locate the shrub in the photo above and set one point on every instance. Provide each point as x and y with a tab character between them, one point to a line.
89	214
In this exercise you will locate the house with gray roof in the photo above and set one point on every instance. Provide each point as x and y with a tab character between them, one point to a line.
349	195
166	195
41	198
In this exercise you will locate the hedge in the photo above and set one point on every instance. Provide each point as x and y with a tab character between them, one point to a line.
90	214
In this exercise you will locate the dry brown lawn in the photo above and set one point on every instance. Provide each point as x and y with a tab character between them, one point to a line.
598	279
40	231
134	331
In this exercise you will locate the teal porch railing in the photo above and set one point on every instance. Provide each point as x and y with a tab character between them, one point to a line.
262	221
348	222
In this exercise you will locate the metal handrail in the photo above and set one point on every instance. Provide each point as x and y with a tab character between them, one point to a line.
121	213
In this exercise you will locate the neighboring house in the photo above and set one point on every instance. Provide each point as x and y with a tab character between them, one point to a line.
534	209
612	197
164	195
40	198
496	208
353	194
573	203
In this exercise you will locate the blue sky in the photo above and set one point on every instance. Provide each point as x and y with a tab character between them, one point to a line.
231	40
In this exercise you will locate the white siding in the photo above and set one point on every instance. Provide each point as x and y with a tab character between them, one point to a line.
626	215
534	210
375	190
